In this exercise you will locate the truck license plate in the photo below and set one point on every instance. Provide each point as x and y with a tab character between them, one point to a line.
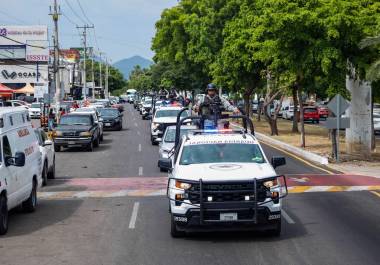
108	124
228	217
71	143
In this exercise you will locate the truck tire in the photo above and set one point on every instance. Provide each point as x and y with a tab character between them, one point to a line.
51	174
3	215
30	204
44	174
276	231
97	142
90	147
174	232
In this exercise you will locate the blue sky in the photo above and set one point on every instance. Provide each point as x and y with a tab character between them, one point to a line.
123	27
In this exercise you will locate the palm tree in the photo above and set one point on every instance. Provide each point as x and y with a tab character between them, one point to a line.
373	72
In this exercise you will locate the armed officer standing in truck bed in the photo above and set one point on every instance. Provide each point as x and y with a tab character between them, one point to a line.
212	101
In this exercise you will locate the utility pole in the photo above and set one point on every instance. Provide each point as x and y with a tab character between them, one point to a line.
55	13
93	77
107	75
100	71
85	27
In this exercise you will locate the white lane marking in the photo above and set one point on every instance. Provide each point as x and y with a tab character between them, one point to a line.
139	147
132	222
136	124
287	217
140	171
138	133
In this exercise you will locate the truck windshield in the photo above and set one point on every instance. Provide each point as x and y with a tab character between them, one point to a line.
221	153
75	120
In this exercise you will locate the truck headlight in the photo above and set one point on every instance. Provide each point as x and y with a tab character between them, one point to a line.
85	134
182	185
270	183
155	125
57	133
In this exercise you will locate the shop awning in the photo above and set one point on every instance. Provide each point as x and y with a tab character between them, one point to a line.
28	89
5	91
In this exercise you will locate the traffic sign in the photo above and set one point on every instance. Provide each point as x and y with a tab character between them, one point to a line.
332	123
338	105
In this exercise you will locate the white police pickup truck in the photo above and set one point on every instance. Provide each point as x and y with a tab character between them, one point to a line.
222	180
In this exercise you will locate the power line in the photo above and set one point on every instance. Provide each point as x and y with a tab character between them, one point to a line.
74	12
14	18
69	19
19	42
84	14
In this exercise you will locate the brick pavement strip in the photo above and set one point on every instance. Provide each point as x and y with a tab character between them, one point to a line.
147	187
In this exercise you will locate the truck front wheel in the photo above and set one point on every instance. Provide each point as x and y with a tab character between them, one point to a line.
277	230
174	231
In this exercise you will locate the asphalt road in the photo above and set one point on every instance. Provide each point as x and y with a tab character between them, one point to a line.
318	228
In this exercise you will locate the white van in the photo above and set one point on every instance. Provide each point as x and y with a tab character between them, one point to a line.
20	163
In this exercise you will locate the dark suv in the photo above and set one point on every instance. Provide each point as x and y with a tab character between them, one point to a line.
77	130
112	118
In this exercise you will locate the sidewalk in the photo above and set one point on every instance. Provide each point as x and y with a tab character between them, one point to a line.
358	168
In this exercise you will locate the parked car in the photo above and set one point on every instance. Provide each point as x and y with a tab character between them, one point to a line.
376	122
112	119
35	110
21	162
311	114
77	130
288	113
46	147
323	112
255	105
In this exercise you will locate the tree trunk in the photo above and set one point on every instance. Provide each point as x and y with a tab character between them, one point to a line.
295	103
359	135
303	142
247	102
259	109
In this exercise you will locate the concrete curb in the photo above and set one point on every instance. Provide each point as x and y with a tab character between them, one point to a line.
295	150
287	147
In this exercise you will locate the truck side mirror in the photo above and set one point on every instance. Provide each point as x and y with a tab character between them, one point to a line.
18	160
278	161
165	164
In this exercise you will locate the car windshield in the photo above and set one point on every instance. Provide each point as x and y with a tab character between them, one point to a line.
109	112
75	120
170	113
170	134
36	105
221	153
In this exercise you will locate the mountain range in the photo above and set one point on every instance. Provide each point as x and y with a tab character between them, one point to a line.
126	65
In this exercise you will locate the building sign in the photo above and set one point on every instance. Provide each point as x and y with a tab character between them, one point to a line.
23	73
69	55
37	51
10	52
89	51
40	90
19	35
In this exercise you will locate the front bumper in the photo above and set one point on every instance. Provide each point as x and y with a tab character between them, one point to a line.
111	124
198	212
210	221
72	142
